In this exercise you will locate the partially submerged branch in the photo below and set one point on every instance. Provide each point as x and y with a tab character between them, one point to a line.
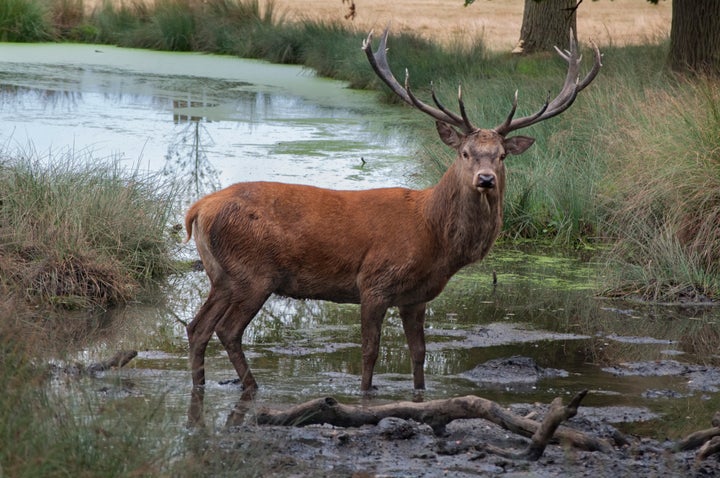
119	360
437	414
545	432
707	440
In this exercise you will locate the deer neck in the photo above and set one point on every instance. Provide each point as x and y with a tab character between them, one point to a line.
465	221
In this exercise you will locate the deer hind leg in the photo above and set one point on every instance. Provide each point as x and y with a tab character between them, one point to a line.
230	331
200	330
371	318
413	320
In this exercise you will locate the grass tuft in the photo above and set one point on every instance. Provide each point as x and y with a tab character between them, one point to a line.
76	232
664	209
24	21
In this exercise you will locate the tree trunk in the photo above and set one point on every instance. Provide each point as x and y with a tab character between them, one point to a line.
695	36
546	24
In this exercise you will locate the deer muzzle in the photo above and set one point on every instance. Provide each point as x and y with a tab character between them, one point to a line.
485	181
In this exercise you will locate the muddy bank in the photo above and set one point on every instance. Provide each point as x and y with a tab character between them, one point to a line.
399	448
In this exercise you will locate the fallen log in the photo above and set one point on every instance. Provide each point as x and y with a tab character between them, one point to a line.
697	439
435	413
118	360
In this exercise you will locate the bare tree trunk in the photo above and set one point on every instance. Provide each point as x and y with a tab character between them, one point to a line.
695	36
546	24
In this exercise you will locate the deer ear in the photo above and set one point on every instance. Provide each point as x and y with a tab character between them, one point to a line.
518	144
449	135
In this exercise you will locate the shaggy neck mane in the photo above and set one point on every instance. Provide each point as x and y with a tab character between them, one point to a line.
465	220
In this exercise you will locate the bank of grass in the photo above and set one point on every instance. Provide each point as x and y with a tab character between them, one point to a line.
80	233
587	181
663	194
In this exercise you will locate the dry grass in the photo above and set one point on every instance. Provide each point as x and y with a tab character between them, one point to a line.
617	22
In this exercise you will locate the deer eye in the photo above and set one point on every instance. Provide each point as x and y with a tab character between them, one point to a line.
465	155
502	156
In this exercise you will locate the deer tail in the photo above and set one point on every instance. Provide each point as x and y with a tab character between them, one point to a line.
190	219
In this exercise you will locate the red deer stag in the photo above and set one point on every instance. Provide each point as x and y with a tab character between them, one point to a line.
379	248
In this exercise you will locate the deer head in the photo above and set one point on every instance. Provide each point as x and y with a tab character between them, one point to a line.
480	152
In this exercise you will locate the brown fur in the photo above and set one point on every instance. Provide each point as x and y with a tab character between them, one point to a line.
379	248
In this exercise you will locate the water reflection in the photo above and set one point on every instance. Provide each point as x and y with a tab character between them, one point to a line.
304	349
187	157
206	132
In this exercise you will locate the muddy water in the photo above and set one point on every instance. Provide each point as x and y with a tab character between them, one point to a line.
214	121
651	370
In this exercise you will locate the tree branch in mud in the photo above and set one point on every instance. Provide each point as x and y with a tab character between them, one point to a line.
545	432
709	448
707	440
437	414
120	359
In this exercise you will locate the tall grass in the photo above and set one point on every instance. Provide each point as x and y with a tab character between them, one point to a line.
48	430
664	206
218	26
24	21
76	232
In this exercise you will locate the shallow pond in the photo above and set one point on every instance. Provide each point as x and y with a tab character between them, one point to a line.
218	120
210	120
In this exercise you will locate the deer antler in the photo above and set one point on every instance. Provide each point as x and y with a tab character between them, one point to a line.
564	99
379	63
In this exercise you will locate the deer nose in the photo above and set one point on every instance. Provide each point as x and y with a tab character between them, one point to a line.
485	181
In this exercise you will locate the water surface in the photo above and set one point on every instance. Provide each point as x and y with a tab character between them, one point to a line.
210	120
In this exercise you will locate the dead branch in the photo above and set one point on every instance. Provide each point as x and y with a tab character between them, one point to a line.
707	440
120	359
436	413
545	432
697	439
709	448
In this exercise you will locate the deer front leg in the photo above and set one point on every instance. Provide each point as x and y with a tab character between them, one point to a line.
413	320
371	317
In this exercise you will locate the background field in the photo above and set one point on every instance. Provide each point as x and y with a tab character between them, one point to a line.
617	22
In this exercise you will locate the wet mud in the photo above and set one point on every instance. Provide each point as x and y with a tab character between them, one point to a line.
400	448
397	447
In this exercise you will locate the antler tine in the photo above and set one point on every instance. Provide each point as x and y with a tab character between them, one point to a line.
594	70
442	107
505	124
571	87
379	63
468	125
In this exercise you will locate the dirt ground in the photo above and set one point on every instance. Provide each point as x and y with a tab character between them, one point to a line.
498	22
399	448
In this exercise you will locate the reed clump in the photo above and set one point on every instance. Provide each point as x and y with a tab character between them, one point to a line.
664	206
79	233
